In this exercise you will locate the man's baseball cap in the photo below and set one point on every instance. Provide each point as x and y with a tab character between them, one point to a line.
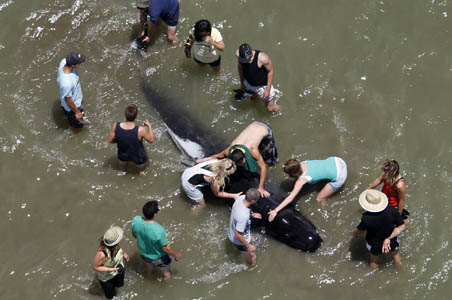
74	58
245	53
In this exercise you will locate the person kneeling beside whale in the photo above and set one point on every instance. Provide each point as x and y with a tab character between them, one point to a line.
253	149
211	172
332	168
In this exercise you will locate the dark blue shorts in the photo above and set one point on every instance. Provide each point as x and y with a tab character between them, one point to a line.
160	262
212	64
171	17
72	120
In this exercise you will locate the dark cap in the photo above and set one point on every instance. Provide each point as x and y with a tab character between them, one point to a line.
74	58
245	53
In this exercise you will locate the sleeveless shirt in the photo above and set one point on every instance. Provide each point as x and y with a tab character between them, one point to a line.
130	148
253	74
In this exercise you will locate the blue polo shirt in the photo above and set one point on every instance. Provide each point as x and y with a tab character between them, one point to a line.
69	85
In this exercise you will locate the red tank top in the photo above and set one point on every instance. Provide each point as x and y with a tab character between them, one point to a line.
391	192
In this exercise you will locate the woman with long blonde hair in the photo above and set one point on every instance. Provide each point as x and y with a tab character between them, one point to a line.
213	173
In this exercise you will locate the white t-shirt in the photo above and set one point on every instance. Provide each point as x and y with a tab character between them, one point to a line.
205	52
240	221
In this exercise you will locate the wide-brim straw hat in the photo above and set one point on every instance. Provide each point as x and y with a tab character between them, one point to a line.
113	236
373	200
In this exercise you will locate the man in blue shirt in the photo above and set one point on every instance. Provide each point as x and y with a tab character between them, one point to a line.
70	90
168	11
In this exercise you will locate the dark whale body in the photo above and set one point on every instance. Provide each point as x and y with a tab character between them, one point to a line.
289	226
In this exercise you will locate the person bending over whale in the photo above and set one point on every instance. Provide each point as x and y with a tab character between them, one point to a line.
253	149
213	173
332	168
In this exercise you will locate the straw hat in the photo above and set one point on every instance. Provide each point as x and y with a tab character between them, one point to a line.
373	200
113	236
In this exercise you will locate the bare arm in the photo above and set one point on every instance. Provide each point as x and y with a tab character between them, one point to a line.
376	182
111	135
267	63
296	189
221	194
148	135
396	232
98	263
242	240
219	45
71	104
240	70
401	191
263	171
151	28
177	256
188	45
126	256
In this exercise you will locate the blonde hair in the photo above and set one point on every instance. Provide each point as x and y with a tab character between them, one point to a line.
221	170
391	171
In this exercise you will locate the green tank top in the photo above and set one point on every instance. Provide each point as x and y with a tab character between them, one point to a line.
112	263
251	163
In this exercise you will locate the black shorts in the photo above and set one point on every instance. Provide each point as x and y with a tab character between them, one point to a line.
377	250
72	120
161	262
212	64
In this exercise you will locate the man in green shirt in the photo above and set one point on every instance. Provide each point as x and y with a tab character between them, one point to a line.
152	243
253	149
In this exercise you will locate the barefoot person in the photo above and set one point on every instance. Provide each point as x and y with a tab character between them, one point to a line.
394	186
211	173
168	11
109	261
152	243
253	149
382	224
71	95
206	43
256	74
333	169
240	224
129	138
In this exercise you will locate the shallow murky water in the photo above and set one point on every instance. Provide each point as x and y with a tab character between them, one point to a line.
363	80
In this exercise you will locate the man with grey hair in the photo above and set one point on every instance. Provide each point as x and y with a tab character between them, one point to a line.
240	224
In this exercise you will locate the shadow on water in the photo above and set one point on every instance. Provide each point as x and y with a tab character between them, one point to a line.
58	116
113	163
358	249
94	288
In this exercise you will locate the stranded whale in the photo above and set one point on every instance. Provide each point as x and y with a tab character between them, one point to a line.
289	226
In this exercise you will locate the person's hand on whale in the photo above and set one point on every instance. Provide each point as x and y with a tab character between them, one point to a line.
272	215
264	193
256	215
236	195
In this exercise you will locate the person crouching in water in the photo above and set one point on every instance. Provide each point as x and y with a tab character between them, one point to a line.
211	173
109	261
129	138
332	168
240	224
207	44
394	186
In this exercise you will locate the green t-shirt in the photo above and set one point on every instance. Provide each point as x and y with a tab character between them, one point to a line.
150	237
250	162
